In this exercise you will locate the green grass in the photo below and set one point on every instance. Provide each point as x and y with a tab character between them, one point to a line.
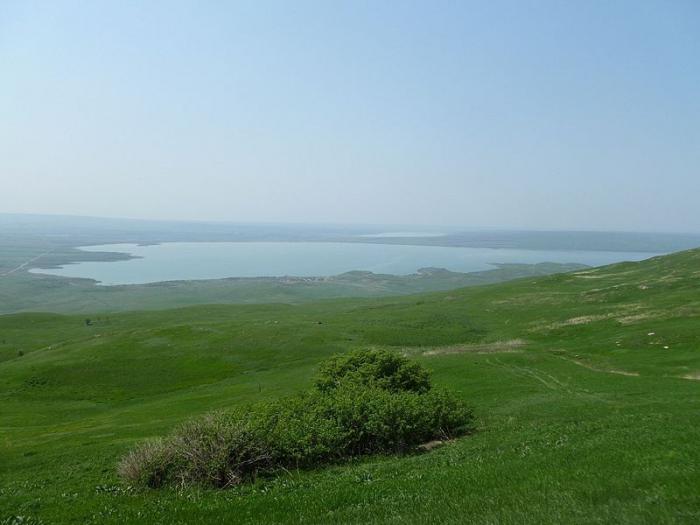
587	419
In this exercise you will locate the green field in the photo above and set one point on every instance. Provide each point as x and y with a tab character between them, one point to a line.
585	388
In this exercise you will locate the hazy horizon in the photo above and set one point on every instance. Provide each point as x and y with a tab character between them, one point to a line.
404	227
548	116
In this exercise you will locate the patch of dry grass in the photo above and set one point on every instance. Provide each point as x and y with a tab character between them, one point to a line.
513	345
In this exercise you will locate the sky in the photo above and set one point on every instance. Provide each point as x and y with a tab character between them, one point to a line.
521	114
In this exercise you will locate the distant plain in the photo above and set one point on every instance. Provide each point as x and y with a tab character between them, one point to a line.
34	246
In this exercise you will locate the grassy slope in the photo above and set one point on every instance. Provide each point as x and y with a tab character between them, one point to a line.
567	432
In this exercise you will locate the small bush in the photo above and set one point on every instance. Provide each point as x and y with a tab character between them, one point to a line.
362	410
147	465
218	450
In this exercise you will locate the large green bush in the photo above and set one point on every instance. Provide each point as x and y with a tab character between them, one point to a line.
362	409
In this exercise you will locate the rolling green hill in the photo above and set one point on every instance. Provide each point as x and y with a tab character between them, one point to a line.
585	386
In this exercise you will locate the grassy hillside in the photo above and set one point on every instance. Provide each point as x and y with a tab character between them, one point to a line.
585	387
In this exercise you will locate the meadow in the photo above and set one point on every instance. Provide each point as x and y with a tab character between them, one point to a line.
584	386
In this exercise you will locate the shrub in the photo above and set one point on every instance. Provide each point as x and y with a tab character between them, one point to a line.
148	465
219	450
353	420
380	368
362	410
372	420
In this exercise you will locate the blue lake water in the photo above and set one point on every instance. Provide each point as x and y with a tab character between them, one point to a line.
215	260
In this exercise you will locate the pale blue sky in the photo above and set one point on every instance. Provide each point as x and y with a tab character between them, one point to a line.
522	114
